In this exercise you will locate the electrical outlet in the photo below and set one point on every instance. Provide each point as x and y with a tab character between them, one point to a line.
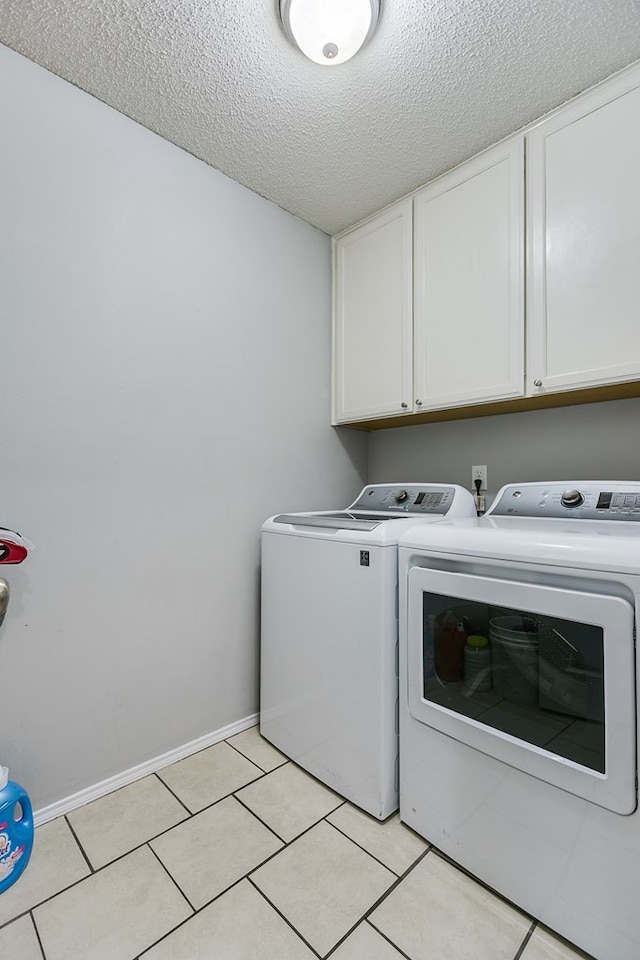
479	473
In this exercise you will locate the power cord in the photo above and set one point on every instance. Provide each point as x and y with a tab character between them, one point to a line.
477	484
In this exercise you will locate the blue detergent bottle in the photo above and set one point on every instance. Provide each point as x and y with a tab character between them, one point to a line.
16	830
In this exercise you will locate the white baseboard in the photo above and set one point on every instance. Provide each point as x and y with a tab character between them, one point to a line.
101	789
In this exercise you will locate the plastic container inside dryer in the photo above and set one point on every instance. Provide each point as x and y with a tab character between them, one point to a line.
514	659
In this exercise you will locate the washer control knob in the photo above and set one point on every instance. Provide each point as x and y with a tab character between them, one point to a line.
401	496
571	498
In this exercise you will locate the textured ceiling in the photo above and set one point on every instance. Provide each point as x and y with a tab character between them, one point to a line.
440	80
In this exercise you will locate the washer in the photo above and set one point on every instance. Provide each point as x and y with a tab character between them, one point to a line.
329	685
531	784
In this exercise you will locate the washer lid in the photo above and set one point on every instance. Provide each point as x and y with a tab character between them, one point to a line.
406	503
334	521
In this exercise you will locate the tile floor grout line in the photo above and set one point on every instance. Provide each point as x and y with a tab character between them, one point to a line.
190	756
342	801
238	750
524	943
121	856
37	933
298	835
421	856
99	870
164	936
190	815
283	917
388	940
208	806
173	881
205	906
196	911
18	916
360	923
173	794
262	823
40	903
359	845
245	757
412	831
245	876
81	848
381	899
481	883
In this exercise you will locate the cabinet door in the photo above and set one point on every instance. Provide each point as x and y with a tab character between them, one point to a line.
372	318
469	282
584	222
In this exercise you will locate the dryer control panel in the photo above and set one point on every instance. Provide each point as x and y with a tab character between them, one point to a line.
403	498
582	500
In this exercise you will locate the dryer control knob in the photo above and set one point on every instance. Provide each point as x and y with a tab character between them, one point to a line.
571	498
401	496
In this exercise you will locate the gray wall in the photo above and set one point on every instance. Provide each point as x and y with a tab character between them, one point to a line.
165	387
592	441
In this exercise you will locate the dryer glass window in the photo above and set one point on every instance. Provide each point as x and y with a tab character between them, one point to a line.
535	677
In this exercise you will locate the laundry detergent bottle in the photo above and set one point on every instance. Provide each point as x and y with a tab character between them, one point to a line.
16	830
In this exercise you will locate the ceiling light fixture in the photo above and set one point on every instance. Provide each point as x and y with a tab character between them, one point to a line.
329	31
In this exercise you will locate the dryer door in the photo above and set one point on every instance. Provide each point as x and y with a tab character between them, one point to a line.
551	692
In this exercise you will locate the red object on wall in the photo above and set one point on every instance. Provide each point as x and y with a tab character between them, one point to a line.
13	549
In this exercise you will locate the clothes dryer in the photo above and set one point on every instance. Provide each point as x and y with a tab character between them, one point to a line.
329	644
531	784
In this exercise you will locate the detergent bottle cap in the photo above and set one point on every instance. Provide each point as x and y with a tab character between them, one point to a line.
4	777
475	640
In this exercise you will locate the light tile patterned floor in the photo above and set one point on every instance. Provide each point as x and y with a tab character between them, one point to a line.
237	854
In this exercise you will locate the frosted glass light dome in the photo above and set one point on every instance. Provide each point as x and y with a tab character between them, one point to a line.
329	31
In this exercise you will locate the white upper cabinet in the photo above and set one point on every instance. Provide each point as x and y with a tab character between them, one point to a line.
584	241
430	311
469	282
373	317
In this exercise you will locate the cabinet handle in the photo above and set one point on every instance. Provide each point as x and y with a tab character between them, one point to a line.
537	383
404	405
418	403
